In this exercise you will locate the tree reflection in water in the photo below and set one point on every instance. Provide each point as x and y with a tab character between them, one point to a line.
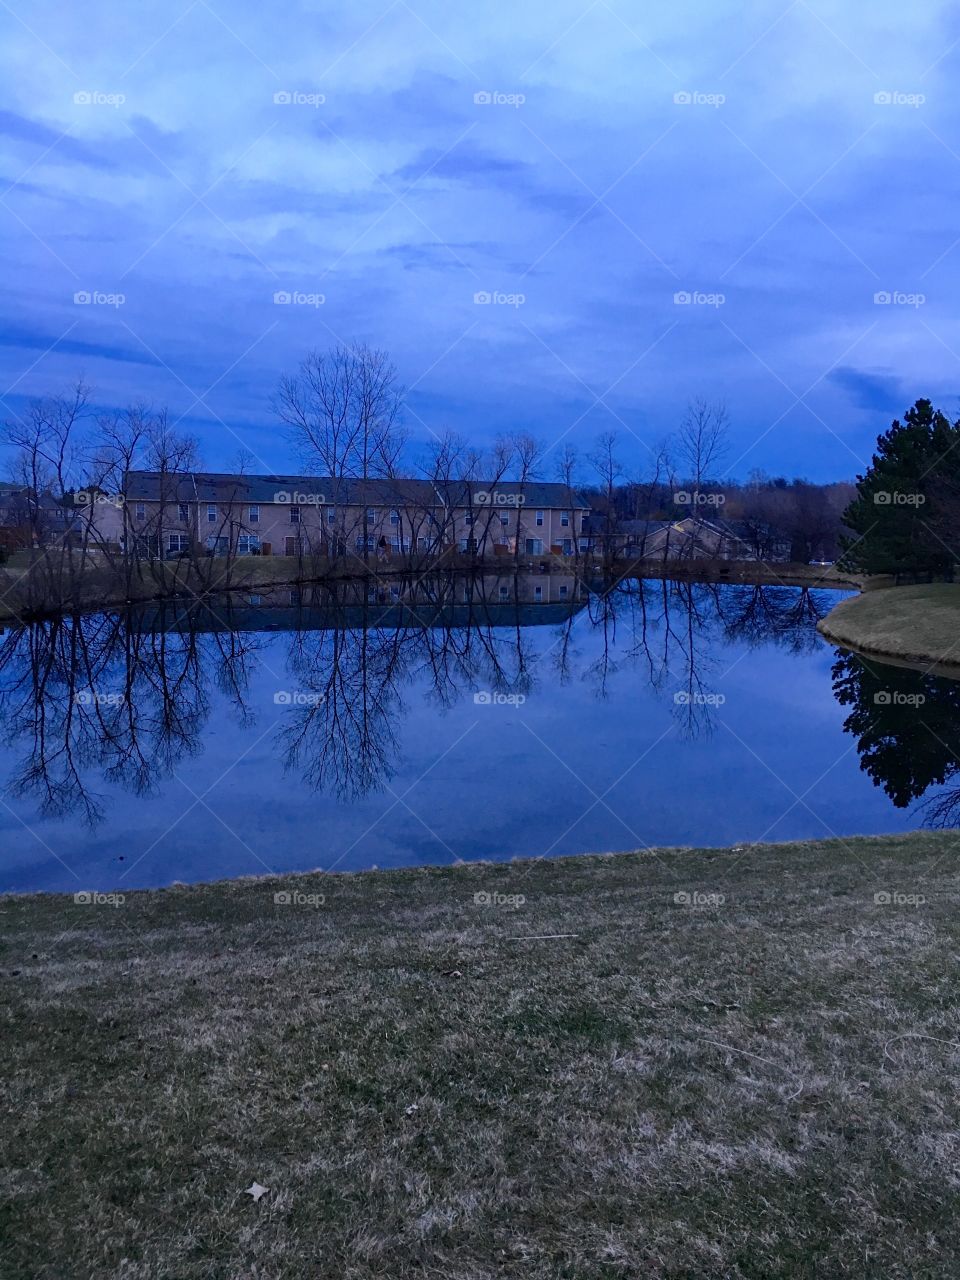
125	697
907	725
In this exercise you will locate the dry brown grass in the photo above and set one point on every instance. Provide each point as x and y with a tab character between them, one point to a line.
762	1086
912	624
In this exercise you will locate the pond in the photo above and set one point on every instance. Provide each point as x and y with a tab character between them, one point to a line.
411	722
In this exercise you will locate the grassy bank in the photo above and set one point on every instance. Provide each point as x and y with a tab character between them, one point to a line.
583	1078
910	624
749	572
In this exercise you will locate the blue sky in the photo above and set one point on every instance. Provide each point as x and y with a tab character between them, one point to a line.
778	164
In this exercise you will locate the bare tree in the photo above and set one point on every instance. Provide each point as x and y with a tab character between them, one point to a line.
528	453
702	440
342	408
609	471
567	469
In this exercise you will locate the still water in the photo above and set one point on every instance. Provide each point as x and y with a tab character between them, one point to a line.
425	722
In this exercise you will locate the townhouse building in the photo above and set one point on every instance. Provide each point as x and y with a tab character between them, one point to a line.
169	514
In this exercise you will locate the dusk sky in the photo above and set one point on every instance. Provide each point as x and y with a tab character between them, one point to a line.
581	165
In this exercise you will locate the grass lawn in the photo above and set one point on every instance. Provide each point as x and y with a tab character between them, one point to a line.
757	1081
918	624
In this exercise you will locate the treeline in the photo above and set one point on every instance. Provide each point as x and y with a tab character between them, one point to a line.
343	410
779	519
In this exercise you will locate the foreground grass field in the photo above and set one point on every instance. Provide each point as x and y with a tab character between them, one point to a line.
736	1063
912	624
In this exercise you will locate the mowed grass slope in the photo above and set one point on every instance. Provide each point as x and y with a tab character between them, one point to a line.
759	1086
920	623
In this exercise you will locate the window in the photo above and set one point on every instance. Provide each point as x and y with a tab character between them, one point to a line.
248	544
183	512
534	546
468	521
563	593
504	593
539	518
331	517
504	519
211	513
254	514
218	546
584	544
366	544
371	516
254	599
565	518
568	547
394	517
141	511
293	546
295	598
294	515
538	593
178	542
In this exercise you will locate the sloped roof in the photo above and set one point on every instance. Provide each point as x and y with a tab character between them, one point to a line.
534	493
217	486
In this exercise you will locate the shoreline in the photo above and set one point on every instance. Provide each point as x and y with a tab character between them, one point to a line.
97	595
317	876
908	626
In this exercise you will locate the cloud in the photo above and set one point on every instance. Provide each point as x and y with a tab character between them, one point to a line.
398	197
882	393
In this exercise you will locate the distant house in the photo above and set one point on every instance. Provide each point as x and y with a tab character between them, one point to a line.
690	538
218	513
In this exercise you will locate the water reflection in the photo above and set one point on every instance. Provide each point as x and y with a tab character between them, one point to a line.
124	698
907	725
